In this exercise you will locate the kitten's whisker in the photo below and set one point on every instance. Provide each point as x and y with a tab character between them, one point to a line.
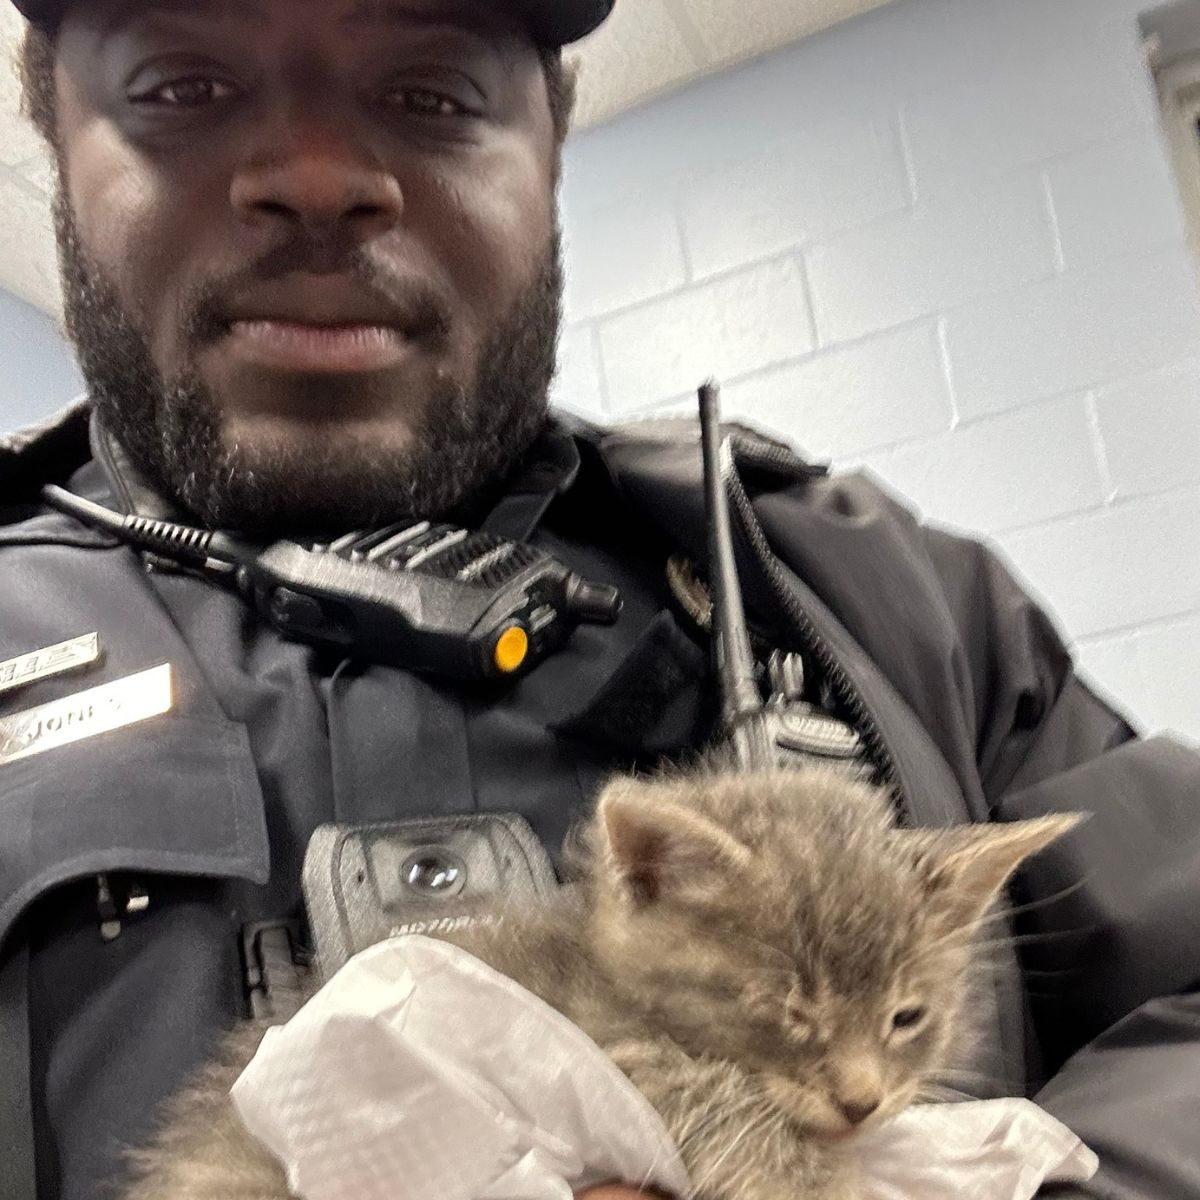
933	950
651	1169
718	1110
1013	910
724	1106
1039	935
1033	939
969	934
777	1133
714	1167
964	939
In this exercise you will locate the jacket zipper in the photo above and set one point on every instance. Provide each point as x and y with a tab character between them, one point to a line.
801	623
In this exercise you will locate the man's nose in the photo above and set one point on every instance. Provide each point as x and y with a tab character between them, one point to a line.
320	183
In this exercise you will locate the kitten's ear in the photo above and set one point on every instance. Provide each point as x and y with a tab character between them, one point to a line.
964	869
659	847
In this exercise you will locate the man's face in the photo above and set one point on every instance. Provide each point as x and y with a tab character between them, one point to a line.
309	247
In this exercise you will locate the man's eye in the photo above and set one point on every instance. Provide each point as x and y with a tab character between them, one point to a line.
194	92
421	102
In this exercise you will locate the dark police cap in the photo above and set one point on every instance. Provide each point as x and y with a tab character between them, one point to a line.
553	22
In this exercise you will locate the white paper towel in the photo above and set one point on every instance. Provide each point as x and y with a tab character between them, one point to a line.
418	1064
419	1071
977	1150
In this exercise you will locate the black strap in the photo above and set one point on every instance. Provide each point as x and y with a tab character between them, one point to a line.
46	453
276	969
548	471
18	1173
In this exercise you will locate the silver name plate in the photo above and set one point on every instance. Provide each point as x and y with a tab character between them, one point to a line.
86	714
53	660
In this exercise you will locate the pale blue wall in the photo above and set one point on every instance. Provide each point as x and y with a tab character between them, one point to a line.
37	370
943	242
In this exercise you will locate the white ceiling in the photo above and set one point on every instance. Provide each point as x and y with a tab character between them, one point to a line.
648	47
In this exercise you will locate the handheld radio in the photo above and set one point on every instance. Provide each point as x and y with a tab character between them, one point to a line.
786	730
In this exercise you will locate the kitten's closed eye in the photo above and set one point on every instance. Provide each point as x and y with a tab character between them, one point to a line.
800	1022
905	1020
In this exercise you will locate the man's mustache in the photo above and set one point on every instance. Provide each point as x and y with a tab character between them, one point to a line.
414	305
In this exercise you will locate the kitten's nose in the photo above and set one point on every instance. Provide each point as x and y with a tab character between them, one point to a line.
856	1111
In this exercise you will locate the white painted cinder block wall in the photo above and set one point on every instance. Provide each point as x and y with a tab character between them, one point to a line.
941	242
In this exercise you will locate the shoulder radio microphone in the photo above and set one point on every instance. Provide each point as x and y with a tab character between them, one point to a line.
431	598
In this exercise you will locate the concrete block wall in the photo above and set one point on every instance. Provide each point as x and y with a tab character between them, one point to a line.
942	243
38	374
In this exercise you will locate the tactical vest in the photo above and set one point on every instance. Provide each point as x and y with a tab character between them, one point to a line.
207	808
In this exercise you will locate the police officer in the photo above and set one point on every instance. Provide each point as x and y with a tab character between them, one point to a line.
310	263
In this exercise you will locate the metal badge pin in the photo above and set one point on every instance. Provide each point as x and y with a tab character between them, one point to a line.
71	655
86	714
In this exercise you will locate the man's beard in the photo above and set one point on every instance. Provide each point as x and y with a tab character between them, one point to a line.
471	434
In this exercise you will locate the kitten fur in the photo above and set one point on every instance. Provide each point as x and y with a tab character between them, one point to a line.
766	956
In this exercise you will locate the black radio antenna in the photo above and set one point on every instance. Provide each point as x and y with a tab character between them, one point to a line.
742	710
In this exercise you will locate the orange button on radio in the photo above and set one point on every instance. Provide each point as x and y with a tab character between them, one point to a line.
512	648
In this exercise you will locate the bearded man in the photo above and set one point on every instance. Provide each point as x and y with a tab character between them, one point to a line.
311	270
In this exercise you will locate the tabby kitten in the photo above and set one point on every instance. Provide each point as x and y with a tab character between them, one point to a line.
769	960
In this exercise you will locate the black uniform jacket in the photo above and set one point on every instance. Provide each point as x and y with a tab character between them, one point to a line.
961	686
